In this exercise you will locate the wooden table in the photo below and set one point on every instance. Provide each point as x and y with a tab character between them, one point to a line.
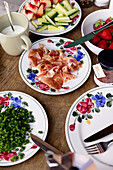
56	107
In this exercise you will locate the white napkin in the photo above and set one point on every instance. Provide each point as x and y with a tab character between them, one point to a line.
13	5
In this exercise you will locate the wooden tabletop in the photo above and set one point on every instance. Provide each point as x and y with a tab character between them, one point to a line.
56	107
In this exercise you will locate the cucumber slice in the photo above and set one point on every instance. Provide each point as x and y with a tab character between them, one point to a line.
61	23
75	14
62	19
52	13
49	20
42	19
60	15
39	23
42	28
45	23
60	9
34	24
67	5
72	11
53	28
47	9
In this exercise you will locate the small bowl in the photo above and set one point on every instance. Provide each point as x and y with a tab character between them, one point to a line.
90	20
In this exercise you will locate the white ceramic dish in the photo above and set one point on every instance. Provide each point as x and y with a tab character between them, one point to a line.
78	128
90	20
40	126
53	33
54	44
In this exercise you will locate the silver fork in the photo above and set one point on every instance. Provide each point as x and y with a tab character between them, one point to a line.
98	148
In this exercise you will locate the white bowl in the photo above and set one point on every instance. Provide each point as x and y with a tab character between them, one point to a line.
90	20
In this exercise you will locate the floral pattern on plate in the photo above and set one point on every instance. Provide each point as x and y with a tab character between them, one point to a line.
20	100
88	106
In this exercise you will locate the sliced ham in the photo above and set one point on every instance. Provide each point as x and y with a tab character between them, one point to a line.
53	66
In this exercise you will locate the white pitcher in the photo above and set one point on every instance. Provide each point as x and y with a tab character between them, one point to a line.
15	44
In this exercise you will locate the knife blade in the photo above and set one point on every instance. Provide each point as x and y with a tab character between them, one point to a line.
88	36
44	145
102	133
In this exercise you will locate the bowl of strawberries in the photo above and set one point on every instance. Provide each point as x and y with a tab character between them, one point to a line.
94	21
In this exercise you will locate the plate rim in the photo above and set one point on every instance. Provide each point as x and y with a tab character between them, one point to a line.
67	121
54	34
46	127
58	93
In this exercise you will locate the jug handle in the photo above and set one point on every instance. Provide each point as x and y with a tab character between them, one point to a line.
111	5
27	42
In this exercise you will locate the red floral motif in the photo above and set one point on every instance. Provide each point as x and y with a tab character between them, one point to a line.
72	127
66	88
75	18
72	3
69	51
34	146
7	156
49	41
42	86
85	106
4	101
72	48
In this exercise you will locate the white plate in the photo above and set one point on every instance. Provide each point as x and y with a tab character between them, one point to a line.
53	33
40	124
101	118
73	84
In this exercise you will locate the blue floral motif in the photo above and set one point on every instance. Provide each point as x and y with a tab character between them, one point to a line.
32	76
78	55
66	26
15	102
99	100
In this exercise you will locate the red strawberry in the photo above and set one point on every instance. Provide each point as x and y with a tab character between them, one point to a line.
98	34
109	20
98	24
95	40
111	46
106	34
102	44
107	41
111	30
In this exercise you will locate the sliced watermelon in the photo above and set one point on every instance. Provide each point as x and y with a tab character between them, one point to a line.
41	10
30	15
35	2
32	8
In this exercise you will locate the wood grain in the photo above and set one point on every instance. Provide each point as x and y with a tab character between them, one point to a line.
56	107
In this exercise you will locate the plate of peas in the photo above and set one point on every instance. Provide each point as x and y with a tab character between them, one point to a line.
20	114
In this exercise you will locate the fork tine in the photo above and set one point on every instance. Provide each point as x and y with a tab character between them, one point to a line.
92	153
90	146
95	149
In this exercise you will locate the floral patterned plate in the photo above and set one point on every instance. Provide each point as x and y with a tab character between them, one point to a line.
40	126
90	113
28	74
74	23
